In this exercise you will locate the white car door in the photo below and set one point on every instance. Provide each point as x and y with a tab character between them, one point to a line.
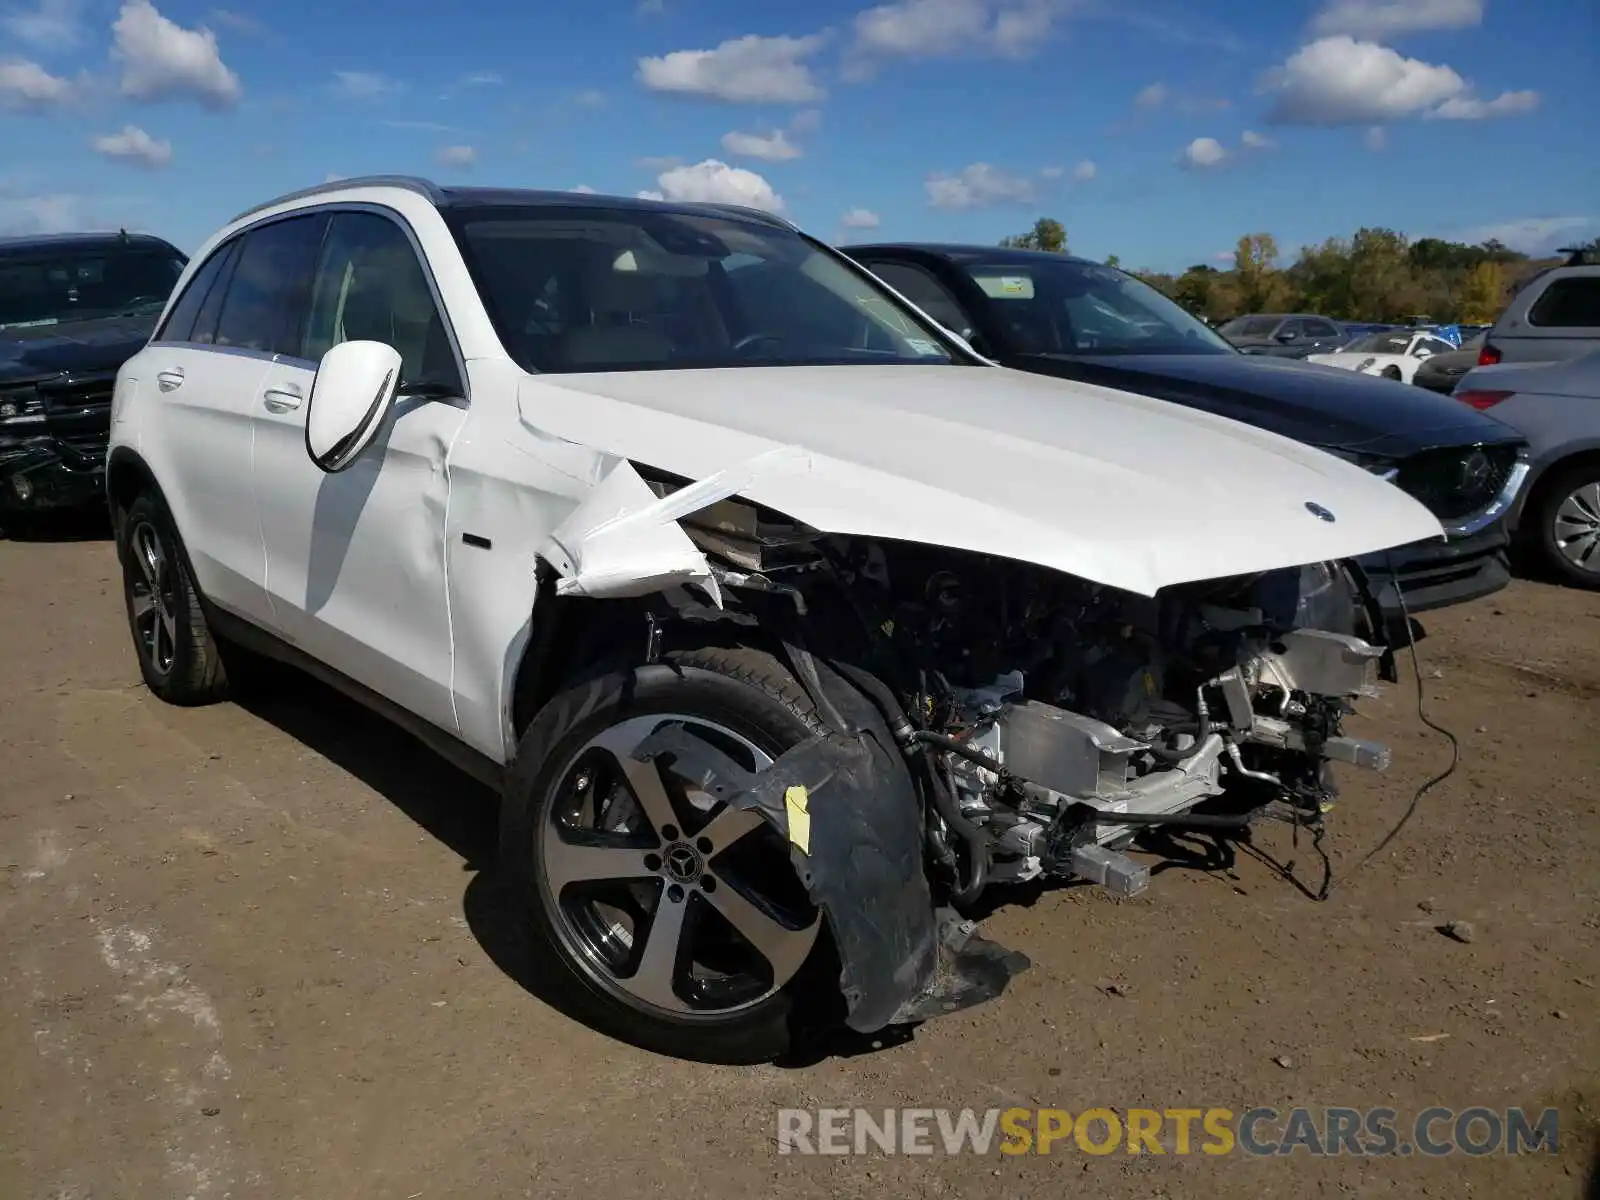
197	431
356	560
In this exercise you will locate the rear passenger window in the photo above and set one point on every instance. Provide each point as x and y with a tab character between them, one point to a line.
179	326
267	295
1568	304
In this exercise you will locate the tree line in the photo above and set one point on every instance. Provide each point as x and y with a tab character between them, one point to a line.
1377	275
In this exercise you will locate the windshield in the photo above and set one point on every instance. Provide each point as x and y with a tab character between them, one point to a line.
1250	327
80	285
1050	305
1381	343
640	289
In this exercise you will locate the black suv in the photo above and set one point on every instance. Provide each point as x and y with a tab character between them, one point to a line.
73	308
1053	314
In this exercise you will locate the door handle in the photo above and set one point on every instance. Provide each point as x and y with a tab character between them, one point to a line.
170	381
282	399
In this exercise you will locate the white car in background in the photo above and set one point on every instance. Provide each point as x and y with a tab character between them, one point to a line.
1395	354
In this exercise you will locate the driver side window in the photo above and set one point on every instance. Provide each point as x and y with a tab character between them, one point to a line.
370	286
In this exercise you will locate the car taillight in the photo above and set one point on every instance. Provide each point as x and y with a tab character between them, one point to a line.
1481	398
1488	355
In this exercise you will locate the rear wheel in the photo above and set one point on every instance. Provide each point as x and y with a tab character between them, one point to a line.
664	917
177	655
1568	524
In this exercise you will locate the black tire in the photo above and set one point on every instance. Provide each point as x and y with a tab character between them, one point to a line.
1553	494
182	665
1391	373
744	691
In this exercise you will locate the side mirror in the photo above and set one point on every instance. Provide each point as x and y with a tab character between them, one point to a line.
350	397
1288	335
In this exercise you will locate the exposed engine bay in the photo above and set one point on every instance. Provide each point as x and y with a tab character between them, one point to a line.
1050	720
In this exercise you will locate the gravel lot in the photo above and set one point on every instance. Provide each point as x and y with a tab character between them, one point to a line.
247	952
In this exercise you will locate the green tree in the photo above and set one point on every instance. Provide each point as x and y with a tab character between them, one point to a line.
1046	234
1481	292
1113	261
1261	286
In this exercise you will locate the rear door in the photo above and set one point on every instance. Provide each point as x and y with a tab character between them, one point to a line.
356	560
195	433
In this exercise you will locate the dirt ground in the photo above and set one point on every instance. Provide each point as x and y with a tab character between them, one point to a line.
246	951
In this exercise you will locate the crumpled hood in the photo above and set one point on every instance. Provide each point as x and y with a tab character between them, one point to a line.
79	347
1120	489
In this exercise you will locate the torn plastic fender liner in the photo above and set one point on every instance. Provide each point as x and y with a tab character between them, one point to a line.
624	540
856	843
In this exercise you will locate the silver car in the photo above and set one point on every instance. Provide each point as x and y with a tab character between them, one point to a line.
1555	316
1556	406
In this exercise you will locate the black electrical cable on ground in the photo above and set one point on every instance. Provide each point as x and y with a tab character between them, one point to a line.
1422	715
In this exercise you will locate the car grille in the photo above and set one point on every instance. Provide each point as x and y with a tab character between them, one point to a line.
78	413
1458	482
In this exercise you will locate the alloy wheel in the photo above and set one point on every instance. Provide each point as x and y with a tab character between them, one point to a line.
1577	528
153	599
663	895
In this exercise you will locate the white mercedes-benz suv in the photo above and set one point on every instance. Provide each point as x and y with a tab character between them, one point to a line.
785	624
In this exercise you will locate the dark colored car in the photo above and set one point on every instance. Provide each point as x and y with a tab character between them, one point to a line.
1052	314
1442	372
73	308
1284	335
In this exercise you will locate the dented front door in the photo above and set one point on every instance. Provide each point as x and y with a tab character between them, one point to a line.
355	561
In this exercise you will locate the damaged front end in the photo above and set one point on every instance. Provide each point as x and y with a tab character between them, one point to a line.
989	722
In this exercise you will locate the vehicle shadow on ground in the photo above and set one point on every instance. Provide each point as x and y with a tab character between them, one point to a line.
463	815
86	525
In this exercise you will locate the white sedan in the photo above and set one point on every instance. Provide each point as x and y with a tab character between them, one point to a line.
1395	355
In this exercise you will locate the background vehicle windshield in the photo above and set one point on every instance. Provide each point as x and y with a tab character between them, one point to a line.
596	289
81	285
1250	327
1046	306
1381	343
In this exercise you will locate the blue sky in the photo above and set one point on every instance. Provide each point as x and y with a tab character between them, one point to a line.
1153	129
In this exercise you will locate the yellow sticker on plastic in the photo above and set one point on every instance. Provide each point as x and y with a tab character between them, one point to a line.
794	804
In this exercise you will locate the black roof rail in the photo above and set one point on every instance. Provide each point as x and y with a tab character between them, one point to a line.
744	210
1580	256
411	183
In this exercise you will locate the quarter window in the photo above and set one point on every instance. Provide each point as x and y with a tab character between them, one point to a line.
269	287
179	325
205	321
370	286
918	285
1572	303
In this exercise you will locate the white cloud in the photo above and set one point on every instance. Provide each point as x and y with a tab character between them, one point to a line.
1340	81
1383	18
1468	108
940	28
1531	235
1202	154
483	79
770	147
860	218
746	70
1252	140
1376	138
49	25
649	195
456	156
1152	95
237	21
330	177
363	85
134	145
589	98
806	121
1052	172
658	162
27	87
40	214
583	189
1085	171
162	60
714	181
650	8
978	185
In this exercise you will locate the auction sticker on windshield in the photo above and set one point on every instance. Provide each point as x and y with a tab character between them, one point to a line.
1005	287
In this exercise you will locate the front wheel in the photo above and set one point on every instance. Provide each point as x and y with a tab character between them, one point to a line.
661	915
1568	524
